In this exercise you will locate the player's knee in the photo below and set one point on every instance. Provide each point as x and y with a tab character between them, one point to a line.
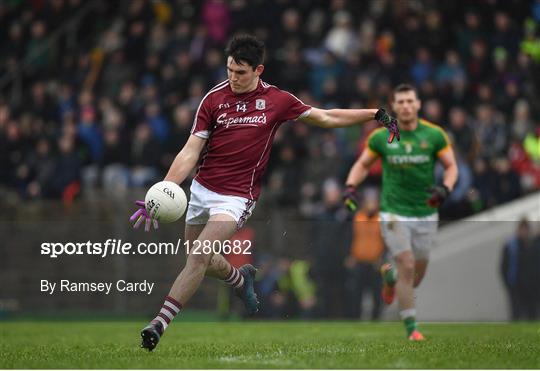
405	267
198	261
406	272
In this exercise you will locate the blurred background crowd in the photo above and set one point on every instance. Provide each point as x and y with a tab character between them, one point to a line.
99	96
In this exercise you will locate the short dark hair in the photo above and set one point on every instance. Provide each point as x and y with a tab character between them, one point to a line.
246	49
403	88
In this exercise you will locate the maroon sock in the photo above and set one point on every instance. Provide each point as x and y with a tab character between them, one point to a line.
168	311
235	278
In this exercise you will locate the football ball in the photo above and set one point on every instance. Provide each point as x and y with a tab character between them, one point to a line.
165	201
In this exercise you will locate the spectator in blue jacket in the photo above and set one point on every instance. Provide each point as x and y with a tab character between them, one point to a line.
520	270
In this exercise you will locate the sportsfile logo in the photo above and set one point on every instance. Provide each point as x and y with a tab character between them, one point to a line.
111	246
114	246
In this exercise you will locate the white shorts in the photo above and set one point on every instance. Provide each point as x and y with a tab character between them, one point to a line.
402	233
204	203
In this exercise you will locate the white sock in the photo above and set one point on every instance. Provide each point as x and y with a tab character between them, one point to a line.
406	313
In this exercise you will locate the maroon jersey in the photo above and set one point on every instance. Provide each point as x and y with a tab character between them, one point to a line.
240	129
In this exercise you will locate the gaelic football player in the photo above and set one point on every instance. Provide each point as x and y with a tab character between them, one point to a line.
409	198
234	127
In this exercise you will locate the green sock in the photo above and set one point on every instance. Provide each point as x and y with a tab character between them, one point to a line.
410	325
390	276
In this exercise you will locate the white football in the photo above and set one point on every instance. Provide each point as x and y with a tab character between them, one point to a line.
165	201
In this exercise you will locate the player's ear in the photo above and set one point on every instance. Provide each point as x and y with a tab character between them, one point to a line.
259	70
418	104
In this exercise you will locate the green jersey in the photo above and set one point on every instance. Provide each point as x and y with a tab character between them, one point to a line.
408	167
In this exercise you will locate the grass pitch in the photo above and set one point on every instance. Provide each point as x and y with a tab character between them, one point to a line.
268	345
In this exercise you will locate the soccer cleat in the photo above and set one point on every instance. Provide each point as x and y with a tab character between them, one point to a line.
388	292
150	335
247	291
416	336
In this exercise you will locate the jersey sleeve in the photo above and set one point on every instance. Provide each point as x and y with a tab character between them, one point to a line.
294	108
373	143
441	142
203	119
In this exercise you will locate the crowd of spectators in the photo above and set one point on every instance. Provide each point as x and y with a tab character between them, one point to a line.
104	97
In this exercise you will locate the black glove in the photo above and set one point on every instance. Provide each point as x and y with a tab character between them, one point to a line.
438	195
388	122
350	198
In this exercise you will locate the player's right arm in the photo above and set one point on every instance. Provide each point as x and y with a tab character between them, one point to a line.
360	169
182	165
357	175
186	159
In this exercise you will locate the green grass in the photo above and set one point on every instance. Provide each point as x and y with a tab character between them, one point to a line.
268	345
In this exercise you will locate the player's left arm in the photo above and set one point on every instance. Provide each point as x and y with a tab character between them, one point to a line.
339	118
448	161
439	193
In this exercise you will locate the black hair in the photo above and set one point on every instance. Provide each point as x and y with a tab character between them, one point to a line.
403	88
246	49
